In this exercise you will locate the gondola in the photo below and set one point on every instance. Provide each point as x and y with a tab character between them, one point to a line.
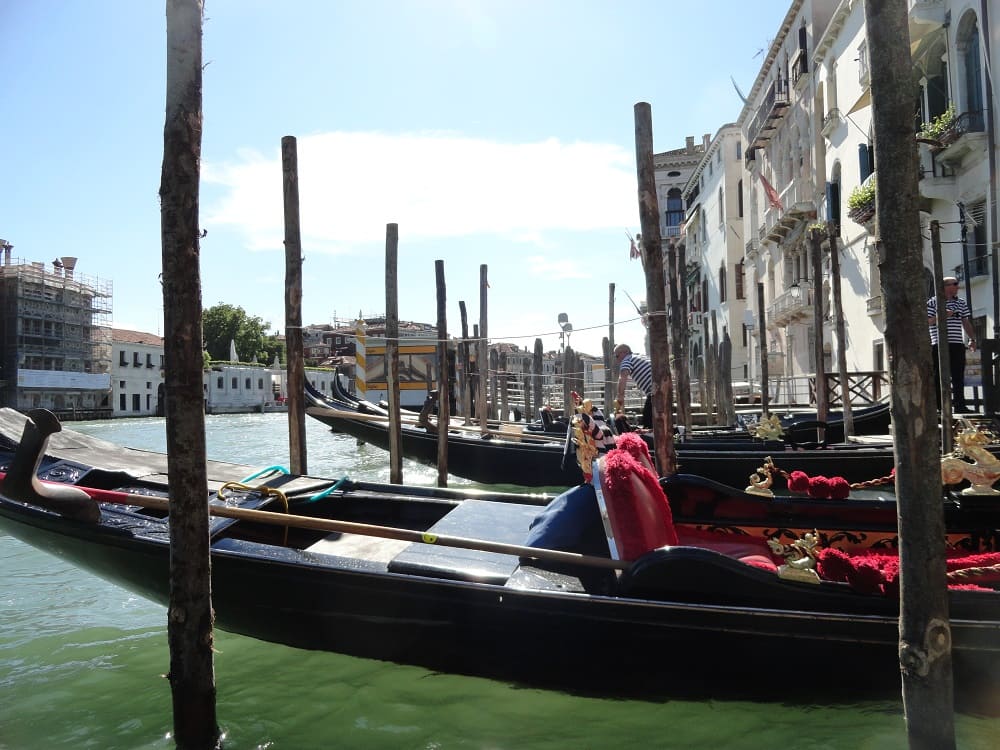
529	459
601	590
798	428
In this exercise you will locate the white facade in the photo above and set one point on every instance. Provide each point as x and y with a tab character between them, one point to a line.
844	158
136	373
717	292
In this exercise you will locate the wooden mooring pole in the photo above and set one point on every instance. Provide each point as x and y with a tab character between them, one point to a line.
652	261
293	308
924	628
392	352
190	633
482	358
444	380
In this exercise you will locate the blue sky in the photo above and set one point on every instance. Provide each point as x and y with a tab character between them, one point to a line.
493	132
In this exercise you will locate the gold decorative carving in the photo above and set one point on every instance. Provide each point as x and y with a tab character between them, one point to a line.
984	468
800	558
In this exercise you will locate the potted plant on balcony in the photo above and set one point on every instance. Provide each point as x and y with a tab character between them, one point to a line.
940	132
861	202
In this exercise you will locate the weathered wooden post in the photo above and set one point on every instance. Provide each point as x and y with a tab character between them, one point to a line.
713	325
502	374
444	381
293	307
494	383
822	394
482	361
392	352
682	383
567	382
610	363
678	336
466	380
189	615
838	316
765	394
652	255
943	350
536	368
924	629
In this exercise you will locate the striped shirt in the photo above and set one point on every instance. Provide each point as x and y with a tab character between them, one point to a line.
959	309
640	371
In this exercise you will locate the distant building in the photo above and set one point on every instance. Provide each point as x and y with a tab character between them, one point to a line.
136	373
55	338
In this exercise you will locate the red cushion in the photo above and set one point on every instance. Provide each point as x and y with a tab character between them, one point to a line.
638	510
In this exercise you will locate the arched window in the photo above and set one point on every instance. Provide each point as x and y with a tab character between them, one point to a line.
833	197
972	71
675	210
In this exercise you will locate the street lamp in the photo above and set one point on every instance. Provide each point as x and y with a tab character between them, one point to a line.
796	291
567	329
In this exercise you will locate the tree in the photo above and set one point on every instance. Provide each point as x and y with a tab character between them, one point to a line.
224	323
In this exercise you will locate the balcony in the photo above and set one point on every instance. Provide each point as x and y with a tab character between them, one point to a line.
830	122
769	115
801	206
794	305
695	322
925	16
937	180
693	275
965	138
799	68
751	250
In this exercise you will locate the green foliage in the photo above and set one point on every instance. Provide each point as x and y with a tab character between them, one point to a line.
224	323
862	196
936	128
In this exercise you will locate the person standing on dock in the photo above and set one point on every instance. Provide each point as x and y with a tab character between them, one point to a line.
959	317
641	371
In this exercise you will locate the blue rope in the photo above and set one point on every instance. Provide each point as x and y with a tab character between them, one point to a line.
332	488
268	470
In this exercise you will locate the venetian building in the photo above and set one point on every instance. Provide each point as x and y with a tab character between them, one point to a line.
715	279
954	121
671	170
783	196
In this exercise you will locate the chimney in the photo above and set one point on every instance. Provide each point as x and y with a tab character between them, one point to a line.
7	247
689	144
705	140
69	263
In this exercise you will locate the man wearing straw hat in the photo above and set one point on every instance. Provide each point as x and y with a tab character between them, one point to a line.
959	318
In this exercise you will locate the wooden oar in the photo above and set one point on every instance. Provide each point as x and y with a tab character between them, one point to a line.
363	417
349	527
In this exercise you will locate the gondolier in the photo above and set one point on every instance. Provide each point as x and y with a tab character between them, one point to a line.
641	371
959	319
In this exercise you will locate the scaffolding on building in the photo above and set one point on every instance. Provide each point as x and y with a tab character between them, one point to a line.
55	338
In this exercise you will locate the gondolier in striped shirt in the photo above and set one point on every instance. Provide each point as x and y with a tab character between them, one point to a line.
641	371
959	318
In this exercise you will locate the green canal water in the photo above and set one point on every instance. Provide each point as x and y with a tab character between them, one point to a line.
82	664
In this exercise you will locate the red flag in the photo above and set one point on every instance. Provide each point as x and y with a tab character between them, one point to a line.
772	195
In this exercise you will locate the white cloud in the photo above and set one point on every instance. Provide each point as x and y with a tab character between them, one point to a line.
434	185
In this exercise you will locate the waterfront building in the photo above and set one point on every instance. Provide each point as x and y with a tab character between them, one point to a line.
136	373
714	273
55	338
781	131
